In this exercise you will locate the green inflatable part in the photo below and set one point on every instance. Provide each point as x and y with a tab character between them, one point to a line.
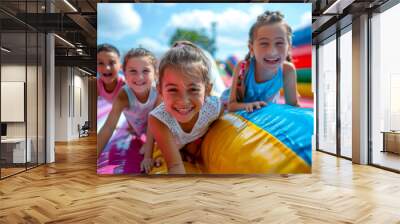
304	75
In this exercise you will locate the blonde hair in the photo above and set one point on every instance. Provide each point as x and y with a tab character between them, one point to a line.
188	58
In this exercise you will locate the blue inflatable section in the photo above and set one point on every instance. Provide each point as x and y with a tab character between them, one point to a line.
302	36
293	126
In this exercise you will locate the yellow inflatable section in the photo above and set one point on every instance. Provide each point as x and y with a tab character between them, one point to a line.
245	148
189	167
262	142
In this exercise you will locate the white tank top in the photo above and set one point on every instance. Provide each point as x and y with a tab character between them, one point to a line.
137	113
209	112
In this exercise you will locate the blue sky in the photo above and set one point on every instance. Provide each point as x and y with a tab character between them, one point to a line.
128	25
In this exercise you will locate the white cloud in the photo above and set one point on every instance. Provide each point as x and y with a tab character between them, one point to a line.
152	45
304	21
193	19
117	20
256	10
232	19
228	20
231	42
232	27
167	4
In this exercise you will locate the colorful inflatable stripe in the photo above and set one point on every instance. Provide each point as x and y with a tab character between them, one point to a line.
301	50
303	75
305	90
274	139
302	61
302	36
230	64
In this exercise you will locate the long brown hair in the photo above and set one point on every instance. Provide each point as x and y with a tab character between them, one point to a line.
267	18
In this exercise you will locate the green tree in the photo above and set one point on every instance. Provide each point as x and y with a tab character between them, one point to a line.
197	37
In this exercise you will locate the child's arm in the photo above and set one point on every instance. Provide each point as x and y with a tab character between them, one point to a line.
290	84
233	105
147	148
168	147
108	128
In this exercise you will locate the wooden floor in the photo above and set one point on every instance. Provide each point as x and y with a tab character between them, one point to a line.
70	191
5	172
388	159
10	171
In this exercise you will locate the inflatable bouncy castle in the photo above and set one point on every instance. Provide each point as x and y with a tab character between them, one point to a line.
121	154
273	139
301	56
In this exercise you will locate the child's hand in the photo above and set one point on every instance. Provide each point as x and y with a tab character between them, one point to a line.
146	165
147	162
257	105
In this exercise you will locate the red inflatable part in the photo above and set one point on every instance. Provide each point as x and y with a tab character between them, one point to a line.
303	61
301	56
301	50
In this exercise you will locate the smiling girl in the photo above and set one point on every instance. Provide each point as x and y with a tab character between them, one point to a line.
187	109
267	68
108	66
136	99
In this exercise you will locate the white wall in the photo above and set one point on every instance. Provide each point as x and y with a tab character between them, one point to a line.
12	73
70	83
61	103
80	84
34	124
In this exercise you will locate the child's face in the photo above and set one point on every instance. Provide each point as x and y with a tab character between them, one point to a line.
270	45
108	66
139	74
183	95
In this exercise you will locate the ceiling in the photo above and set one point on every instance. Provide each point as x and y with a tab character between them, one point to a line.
328	15
76	20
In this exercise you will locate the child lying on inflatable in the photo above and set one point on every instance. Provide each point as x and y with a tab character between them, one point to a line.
273	139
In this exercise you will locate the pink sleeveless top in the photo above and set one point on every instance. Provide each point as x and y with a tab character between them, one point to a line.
106	95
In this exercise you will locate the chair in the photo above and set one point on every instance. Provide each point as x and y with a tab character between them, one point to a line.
84	130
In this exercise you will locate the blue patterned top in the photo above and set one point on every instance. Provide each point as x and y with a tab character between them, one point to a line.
267	91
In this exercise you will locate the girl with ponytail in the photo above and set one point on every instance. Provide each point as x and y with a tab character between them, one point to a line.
267	67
